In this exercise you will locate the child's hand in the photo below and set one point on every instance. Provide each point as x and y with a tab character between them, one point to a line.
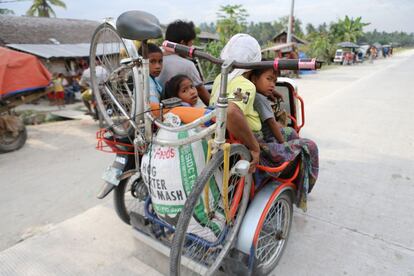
255	160
276	96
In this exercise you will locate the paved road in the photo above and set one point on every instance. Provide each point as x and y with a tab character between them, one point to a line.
359	219
55	176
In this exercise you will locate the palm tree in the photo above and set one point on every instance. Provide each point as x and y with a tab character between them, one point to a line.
321	46
43	8
349	29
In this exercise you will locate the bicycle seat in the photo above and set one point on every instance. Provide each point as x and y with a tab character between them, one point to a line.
138	25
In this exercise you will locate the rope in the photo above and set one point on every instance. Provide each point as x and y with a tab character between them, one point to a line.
207	186
226	150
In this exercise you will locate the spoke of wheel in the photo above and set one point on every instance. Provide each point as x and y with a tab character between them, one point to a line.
214	228
279	214
268	244
269	252
266	235
262	249
273	215
104	56
125	84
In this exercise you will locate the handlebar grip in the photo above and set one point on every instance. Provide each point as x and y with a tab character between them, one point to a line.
296	64
178	48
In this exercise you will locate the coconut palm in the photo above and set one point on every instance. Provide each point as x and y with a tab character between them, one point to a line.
321	46
348	29
43	8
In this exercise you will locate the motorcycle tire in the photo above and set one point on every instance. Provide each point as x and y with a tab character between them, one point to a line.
14	143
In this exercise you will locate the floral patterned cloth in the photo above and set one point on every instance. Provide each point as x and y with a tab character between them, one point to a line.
274	154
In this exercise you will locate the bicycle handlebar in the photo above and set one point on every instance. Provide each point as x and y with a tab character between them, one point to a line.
277	64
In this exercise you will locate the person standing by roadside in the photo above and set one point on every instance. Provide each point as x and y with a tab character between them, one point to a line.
85	83
294	55
59	94
183	33
372	54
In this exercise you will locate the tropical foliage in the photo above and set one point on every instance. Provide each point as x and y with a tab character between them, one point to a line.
6	11
396	38
231	20
323	39
43	8
297	25
322	46
348	29
264	31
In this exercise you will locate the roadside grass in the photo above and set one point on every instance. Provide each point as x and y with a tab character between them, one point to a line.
35	117
330	66
401	49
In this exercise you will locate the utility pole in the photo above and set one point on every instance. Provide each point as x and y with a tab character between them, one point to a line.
289	31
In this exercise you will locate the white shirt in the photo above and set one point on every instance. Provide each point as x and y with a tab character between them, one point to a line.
101	75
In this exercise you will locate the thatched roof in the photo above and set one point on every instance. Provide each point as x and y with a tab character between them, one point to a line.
39	30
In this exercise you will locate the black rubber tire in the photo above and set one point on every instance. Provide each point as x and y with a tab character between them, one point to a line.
186	214
103	100
119	201
257	268
17	143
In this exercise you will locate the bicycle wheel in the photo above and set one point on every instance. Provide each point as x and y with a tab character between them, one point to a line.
274	234
129	197
113	84
194	245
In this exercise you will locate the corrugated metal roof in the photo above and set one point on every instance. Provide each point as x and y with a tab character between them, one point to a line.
48	51
348	44
208	35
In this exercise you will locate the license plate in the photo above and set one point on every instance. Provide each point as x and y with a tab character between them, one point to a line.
111	174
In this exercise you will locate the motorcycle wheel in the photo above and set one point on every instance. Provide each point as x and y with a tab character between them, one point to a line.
126	198
8	142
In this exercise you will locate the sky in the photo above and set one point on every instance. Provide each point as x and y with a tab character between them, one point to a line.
384	15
